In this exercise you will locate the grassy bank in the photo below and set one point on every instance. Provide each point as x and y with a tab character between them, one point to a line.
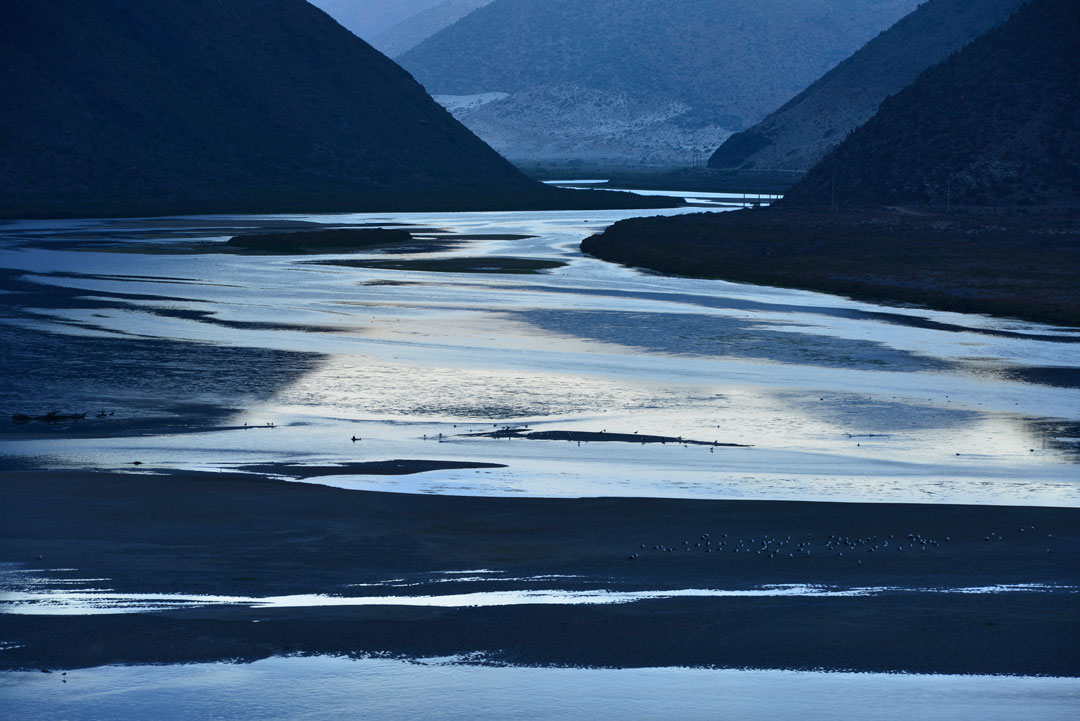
1015	266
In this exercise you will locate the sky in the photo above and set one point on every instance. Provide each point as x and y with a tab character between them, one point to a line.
368	18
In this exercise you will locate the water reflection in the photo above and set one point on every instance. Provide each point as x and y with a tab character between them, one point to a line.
719	336
63	602
839	399
462	688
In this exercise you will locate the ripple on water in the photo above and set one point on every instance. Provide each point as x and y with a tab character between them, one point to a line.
449	689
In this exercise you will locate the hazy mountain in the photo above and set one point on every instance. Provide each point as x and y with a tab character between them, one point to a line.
369	18
804	129
413	30
112	106
640	80
996	124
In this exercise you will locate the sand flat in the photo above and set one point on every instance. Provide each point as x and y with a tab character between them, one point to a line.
249	536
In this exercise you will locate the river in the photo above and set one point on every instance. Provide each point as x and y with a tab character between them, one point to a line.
187	358
831	399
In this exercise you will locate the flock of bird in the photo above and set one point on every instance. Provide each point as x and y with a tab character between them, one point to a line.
773	547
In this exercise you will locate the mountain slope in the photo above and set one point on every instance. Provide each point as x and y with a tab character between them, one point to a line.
413	30
369	18
625	67
803	130
997	124
166	106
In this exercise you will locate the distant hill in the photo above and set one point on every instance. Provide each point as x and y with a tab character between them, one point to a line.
370	18
413	30
997	124
804	129
635	81
115	107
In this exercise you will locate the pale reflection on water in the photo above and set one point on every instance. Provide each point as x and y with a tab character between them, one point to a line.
41	592
450	689
839	400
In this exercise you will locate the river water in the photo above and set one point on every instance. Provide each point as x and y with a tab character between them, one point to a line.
188	358
833	399
445	689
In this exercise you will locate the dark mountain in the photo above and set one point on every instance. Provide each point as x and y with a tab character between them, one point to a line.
417	28
997	124
641	81
163	106
804	129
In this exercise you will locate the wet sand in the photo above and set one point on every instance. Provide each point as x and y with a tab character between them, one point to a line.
250	536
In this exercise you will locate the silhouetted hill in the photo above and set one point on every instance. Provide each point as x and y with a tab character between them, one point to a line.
119	107
417	28
803	130
997	124
635	81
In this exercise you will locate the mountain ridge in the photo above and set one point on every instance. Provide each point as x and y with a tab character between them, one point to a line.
413	30
995	124
368	19
224	105
631	59
800	132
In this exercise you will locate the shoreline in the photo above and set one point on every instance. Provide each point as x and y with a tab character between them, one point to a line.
254	537
541	199
962	263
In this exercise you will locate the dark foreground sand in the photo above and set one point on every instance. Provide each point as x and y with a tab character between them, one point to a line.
244	535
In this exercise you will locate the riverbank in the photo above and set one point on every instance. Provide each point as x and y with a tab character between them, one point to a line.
249	537
1022	266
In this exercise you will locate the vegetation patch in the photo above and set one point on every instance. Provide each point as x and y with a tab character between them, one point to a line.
456	265
1006	265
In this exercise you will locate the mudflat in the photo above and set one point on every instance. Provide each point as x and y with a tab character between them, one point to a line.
254	537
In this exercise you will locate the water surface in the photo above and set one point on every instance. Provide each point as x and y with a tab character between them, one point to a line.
447	689
192	357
